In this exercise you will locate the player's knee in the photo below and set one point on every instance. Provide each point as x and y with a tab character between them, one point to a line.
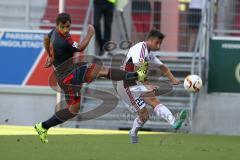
148	98
150	94
151	100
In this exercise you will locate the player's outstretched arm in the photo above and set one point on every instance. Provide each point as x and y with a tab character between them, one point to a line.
84	43
166	72
49	60
46	43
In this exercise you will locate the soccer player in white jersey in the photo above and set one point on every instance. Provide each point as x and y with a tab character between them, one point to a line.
137	55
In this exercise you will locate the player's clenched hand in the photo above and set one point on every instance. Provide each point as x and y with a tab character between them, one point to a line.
143	114
48	62
91	30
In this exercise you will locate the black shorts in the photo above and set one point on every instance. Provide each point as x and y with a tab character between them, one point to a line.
194	18
72	84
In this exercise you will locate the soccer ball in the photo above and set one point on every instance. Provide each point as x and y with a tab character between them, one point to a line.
193	83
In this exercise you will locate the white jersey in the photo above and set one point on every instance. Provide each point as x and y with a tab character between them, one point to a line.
130	91
138	54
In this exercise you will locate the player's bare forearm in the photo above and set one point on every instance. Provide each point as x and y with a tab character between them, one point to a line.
82	46
46	43
166	72
50	57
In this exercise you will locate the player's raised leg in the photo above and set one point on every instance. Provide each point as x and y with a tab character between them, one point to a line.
180	119
118	74
163	112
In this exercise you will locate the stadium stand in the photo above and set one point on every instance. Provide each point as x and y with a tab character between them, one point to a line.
76	8
19	16
34	14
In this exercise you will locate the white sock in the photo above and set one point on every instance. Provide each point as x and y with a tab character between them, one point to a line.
163	112
137	124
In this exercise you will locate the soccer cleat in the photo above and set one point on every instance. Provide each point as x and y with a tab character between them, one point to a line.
181	118
42	132
142	72
133	138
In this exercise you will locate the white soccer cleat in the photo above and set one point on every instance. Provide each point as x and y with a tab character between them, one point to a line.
133	138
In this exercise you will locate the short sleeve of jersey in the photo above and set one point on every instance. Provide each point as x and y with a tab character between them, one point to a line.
156	61
50	33
74	45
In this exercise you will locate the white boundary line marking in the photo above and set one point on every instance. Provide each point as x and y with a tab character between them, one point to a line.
33	67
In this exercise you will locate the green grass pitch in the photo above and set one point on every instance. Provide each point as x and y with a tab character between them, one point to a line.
21	143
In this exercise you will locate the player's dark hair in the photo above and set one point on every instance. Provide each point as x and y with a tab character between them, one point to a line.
63	18
154	33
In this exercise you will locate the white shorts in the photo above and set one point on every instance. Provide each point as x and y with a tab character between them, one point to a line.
132	95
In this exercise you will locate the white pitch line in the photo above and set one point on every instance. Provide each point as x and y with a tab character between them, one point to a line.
33	67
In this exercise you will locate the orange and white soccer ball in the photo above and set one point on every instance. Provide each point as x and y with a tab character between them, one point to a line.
192	83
